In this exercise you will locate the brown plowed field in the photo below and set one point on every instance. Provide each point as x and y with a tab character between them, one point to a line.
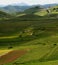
11	56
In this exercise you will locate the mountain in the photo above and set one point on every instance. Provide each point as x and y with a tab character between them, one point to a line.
13	8
49	5
20	7
20	4
33	9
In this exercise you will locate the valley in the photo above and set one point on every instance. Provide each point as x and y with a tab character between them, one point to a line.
30	37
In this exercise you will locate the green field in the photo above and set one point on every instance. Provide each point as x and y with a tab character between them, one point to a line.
38	35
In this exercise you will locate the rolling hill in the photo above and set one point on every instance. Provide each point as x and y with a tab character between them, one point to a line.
21	7
13	9
33	9
36	32
4	14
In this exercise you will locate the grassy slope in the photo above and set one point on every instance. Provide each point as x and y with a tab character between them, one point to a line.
37	54
4	14
40	52
12	29
40	45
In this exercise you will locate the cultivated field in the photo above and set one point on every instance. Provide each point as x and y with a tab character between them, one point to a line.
29	39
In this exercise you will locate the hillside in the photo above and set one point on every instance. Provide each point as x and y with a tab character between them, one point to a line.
30	37
33	9
13	9
32	18
20	28
3	14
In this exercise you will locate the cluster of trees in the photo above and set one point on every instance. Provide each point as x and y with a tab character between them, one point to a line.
55	9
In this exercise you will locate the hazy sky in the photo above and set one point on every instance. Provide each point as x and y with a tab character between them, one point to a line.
31	2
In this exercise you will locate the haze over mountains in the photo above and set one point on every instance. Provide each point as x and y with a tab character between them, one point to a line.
13	8
20	7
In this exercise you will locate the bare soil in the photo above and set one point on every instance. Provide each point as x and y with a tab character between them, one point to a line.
11	56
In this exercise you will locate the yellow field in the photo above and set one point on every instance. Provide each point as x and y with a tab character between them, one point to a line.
9	37
2	52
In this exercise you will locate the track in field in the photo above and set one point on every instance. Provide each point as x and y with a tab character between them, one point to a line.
11	56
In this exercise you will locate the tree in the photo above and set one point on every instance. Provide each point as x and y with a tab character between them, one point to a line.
54	9
54	44
48	11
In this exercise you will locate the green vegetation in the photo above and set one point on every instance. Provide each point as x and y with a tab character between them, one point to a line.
34	31
4	15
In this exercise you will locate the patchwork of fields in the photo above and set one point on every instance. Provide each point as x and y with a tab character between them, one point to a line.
40	48
29	39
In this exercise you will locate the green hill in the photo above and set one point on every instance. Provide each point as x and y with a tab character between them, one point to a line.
3	14
26	28
40	11
33	10
36	32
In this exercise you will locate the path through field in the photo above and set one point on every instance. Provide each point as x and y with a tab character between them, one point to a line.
11	56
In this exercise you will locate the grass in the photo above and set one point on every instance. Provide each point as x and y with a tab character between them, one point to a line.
41	51
36	34
41	13
34	54
42	63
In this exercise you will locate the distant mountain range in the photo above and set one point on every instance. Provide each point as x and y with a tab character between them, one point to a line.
13	8
50	5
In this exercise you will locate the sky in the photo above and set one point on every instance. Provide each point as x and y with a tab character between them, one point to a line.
30	2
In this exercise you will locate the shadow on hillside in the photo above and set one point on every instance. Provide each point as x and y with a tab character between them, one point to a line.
27	17
52	15
4	14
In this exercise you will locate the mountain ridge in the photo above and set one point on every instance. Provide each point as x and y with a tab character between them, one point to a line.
14	8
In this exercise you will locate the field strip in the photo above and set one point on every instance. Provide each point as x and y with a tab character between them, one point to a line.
11	56
3	52
9	37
